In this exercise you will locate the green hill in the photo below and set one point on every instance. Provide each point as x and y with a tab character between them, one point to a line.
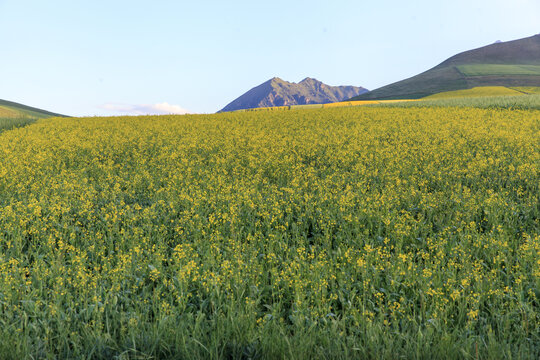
13	115
483	91
9	109
512	64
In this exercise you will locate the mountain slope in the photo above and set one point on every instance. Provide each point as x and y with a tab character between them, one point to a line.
9	109
277	92
511	63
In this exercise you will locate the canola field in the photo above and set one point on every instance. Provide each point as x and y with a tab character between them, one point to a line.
339	233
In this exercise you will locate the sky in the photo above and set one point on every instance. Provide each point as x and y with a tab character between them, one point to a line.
87	58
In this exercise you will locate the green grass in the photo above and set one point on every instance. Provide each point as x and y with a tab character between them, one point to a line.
498	69
522	102
25	111
14	115
477	92
509	64
6	112
427	83
527	89
11	123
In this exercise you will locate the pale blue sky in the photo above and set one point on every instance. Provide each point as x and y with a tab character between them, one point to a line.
110	57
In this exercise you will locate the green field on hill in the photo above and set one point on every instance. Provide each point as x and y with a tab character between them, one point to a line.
515	102
10	109
6	112
13	115
528	89
508	64
477	92
332	233
498	69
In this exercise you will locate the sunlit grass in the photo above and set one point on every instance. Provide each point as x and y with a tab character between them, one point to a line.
476	92
522	102
499	69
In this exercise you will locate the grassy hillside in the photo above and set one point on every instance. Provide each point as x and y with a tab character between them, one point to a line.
511	64
13	115
477	92
527	89
498	70
521	102
6	112
522	51
9	109
332	233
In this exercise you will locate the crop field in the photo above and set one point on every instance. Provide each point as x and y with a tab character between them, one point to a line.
478	92
499	69
7	113
528	89
338	104
353	232
513	102
7	123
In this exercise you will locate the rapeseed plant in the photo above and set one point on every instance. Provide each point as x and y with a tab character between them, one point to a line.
323	233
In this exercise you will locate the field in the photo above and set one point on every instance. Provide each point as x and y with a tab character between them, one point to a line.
334	104
515	102
528	89
352	232
9	109
13	115
8	123
498	69
7	113
477	92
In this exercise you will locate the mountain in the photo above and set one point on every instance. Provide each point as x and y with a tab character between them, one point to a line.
277	92
511	63
9	109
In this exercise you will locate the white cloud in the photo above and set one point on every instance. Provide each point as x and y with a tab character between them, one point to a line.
145	109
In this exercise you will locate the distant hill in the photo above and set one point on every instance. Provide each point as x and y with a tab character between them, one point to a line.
277	92
9	109
511	63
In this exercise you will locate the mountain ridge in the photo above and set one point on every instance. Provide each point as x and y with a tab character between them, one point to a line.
278	92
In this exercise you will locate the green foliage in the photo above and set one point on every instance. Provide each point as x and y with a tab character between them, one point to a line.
335	233
528	89
523	102
7	112
24	111
499	69
10	123
477	92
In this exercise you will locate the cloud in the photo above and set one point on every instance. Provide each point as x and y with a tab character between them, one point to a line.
145	109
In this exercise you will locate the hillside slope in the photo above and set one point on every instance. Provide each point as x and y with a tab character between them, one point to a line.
512	63
277	92
10	109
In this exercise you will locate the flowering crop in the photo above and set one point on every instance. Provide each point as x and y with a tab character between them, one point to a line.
350	232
